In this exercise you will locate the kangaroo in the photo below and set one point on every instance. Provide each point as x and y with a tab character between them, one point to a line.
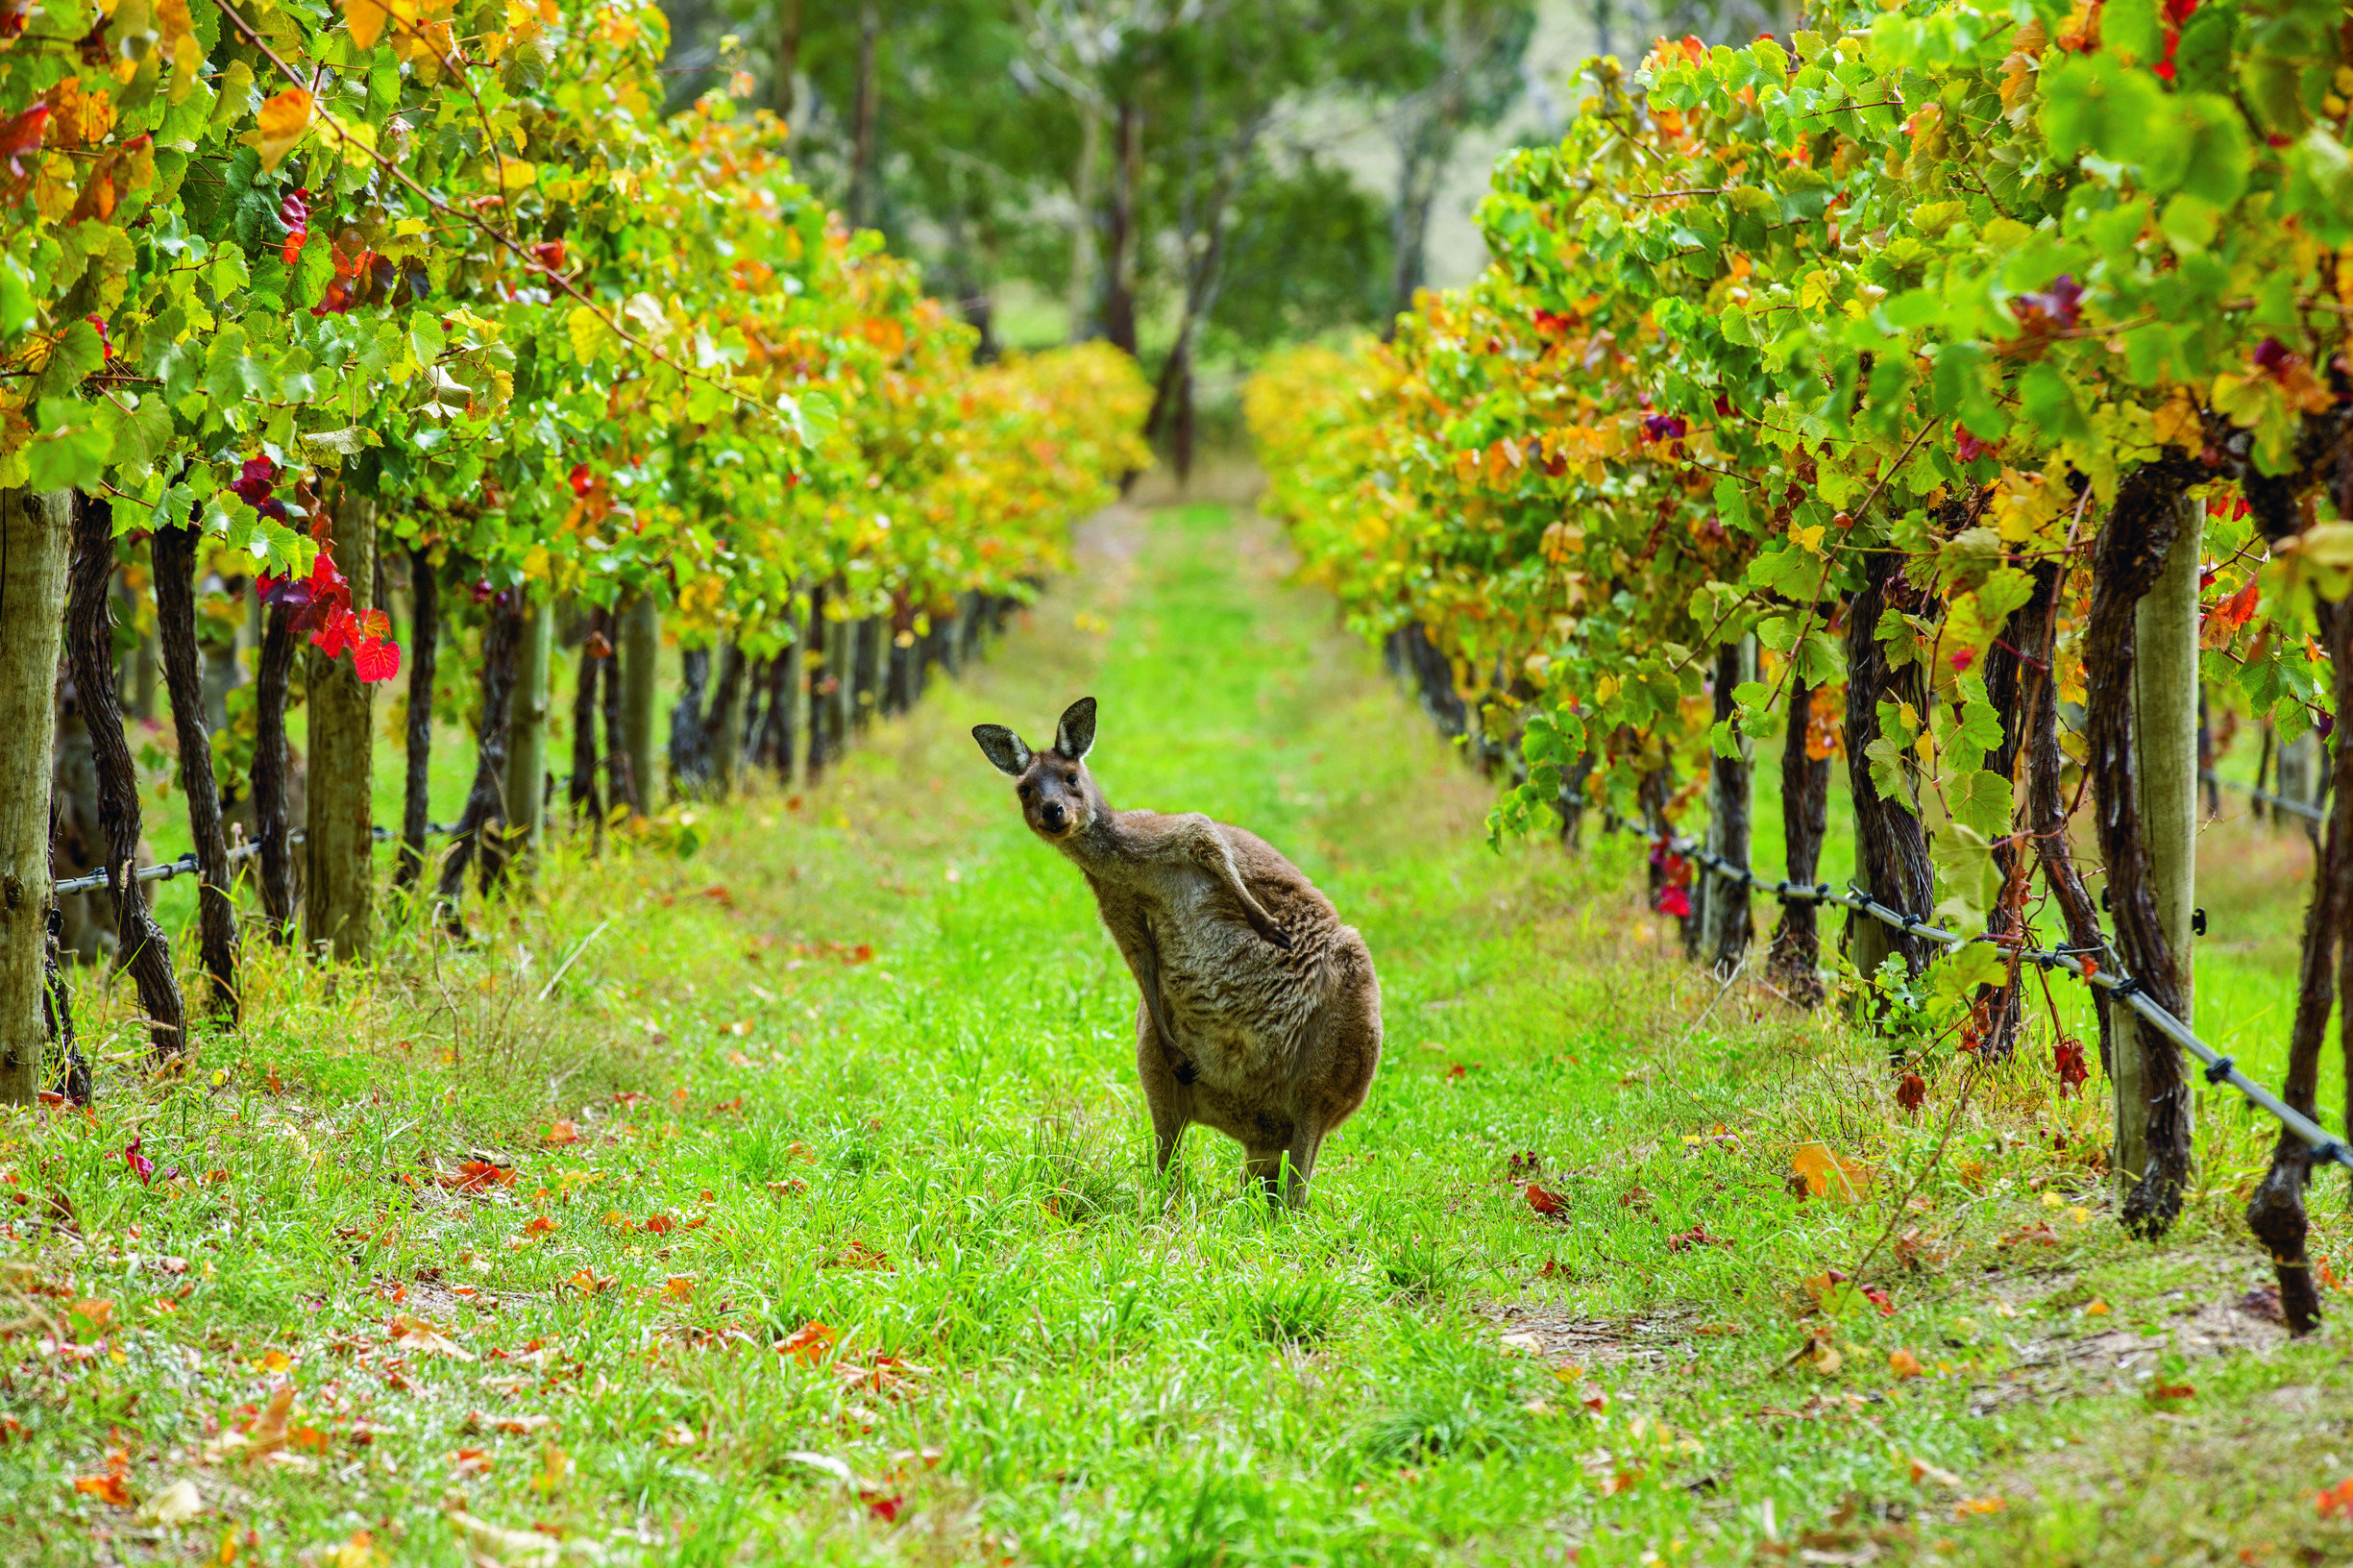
1258	1014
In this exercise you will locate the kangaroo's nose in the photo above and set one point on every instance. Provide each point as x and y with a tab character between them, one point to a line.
1054	816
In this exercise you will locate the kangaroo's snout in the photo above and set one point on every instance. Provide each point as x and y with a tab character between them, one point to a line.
1054	816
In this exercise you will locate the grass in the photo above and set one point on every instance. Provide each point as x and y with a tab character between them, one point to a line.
809	1215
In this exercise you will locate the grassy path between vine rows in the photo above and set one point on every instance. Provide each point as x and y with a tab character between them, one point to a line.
809	1218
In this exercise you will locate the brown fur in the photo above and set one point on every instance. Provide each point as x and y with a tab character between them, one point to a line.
1259	1012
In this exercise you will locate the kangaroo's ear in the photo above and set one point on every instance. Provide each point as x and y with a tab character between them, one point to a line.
1074	736
1002	747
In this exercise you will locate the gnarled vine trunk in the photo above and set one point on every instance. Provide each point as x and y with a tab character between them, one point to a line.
90	639
173	552
1795	961
482	831
587	803
273	819
424	657
1891	845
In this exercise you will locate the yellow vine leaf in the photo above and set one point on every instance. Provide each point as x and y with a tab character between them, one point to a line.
284	117
366	21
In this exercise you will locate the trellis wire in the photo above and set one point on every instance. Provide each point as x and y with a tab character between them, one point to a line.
186	865
2220	1068
2301	808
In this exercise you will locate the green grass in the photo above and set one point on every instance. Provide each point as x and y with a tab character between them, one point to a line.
1030	1353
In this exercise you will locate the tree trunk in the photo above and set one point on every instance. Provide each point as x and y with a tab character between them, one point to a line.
1078	299
481	830
2134	557
1730	924
526	741
2262	771
690	746
728	717
338	827
1794	963
865	154
35	539
273	816
594	656
424	654
89	638
1119	264
787	62
173	552
1891	847
2275	1213
640	653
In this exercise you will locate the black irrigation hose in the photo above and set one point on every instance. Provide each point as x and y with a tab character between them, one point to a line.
2220	1068
186	865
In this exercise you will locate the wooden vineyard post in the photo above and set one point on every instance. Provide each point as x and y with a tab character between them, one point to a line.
798	762
36	529
640	646
2165	772
339	816
728	697
2137	726
1725	924
526	744
1796	960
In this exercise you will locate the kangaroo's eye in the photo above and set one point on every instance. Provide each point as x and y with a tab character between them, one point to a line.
1069	778
1025	791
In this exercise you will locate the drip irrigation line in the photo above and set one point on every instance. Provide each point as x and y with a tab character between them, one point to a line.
186	865
2220	1069
2301	808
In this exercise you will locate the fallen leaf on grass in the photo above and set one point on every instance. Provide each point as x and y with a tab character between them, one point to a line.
471	1462
175	1504
523	1426
587	1281
2337	1501
1718	1330
1828	1175
2161	1393
822	1461
681	1435
679	1288
113	1486
661	1224
736	1104
563	1132
1912	1092
420	1335
1696	1236
1904	1364
808	1345
479	1175
517	1548
884	1506
1978	1505
1923	1470
1532	1343
1544	1201
788	1188
538	1225
263	1435
857	1254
